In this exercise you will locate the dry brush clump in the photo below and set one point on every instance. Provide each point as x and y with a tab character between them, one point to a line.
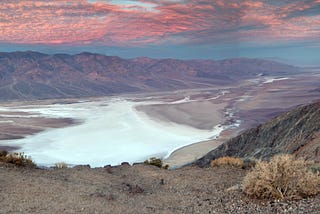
227	161
156	162
18	159
283	177
315	168
61	165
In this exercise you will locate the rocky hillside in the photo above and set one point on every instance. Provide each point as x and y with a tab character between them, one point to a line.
135	189
295	132
32	75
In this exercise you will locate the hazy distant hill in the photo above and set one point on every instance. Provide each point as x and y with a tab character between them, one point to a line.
32	75
295	132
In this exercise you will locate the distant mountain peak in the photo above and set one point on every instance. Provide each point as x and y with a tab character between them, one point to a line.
34	75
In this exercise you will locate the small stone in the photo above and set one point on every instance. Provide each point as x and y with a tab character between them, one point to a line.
236	187
162	181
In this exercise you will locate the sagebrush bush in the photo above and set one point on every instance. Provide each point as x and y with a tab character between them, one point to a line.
156	162
283	177
18	159
227	161
249	163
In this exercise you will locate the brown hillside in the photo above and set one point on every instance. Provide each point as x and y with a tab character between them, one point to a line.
295	132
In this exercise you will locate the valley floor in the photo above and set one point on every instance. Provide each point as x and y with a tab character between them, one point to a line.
247	104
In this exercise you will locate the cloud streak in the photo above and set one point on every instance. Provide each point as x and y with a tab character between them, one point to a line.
145	22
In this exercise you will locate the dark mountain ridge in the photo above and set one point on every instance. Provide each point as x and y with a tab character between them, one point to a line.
33	75
295	132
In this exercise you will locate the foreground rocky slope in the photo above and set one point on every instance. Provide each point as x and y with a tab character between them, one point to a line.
32	75
295	132
134	189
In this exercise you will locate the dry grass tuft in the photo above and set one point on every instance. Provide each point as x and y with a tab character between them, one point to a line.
61	165
18	159
283	177
227	161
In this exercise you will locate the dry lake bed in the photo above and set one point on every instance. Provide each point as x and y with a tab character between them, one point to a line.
178	126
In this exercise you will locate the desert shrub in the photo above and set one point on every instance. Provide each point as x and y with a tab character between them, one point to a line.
227	161
282	178
165	166
3	153
156	162
315	168
249	163
18	159
61	165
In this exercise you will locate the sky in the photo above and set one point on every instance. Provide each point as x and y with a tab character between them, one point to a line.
283	30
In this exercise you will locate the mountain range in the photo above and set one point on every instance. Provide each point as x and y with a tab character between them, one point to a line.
33	75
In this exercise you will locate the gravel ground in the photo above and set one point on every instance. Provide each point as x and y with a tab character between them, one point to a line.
134	189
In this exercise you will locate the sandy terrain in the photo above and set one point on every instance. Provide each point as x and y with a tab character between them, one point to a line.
190	153
198	114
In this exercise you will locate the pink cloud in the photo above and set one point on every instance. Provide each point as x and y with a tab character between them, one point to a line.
192	21
278	23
